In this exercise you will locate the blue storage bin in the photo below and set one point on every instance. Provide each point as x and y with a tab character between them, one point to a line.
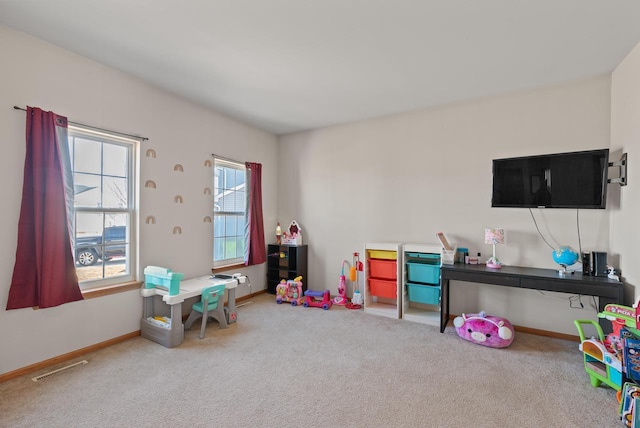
426	257
423	272
421	293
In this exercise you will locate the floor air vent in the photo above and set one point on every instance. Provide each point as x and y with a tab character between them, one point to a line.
51	373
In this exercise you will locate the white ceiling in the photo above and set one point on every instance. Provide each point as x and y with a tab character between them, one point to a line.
291	65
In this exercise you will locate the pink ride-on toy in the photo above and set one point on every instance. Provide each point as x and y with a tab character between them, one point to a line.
290	291
317	299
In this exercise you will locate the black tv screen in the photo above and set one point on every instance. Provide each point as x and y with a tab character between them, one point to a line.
560	180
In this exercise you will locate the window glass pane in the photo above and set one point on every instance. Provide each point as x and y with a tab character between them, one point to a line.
230	248
240	201
115	193
240	247
240	177
230	178
115	160
88	156
116	219
230	229
102	252
218	180
88	224
241	226
218	248
218	225
87	190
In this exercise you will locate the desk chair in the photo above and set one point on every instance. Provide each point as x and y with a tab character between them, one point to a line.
211	304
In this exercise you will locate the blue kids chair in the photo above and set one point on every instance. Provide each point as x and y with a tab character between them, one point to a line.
211	304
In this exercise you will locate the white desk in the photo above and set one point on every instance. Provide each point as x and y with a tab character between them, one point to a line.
174	335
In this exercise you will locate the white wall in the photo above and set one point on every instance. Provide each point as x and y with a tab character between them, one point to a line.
405	177
625	137
38	74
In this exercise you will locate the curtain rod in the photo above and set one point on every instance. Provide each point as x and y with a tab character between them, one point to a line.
96	128
226	159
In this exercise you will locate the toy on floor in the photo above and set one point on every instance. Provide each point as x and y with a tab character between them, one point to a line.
609	359
357	300
485	330
341	298
317	299
290	291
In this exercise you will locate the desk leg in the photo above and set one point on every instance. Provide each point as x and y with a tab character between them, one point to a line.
147	307
232	311
176	320
444	304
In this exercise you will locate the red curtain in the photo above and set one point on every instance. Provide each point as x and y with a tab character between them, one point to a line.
44	273
256	249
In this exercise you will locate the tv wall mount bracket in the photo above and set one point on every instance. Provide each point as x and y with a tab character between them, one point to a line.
622	165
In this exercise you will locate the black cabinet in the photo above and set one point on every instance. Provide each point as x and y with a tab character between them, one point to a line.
285	262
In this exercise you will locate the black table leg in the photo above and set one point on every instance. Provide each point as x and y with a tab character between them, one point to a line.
444	304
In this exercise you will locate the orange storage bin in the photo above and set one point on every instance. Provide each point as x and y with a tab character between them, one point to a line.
383	288
383	269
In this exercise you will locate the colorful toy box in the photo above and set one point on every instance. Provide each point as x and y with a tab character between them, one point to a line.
290	291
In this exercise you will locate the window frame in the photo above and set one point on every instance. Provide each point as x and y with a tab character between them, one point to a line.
131	211
239	166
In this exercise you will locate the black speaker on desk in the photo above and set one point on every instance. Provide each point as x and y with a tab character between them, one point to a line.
586	264
599	264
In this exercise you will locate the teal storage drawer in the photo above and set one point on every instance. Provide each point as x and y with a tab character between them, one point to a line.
420	293
423	272
427	257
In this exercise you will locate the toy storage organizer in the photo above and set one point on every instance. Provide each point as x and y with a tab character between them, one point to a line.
381	291
421	283
286	262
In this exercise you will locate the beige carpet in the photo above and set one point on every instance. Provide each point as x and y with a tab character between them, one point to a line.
284	366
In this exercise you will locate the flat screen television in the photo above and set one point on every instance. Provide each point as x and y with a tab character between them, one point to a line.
560	180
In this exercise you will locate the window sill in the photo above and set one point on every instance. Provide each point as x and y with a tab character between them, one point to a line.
111	289
226	268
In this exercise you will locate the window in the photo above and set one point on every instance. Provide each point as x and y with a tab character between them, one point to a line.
104	223
229	212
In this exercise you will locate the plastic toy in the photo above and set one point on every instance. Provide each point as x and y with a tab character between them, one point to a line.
357	300
317	299
609	359
629	402
341	298
485	330
293	235
290	291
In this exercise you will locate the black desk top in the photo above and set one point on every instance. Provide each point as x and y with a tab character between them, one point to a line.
607	290
449	271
